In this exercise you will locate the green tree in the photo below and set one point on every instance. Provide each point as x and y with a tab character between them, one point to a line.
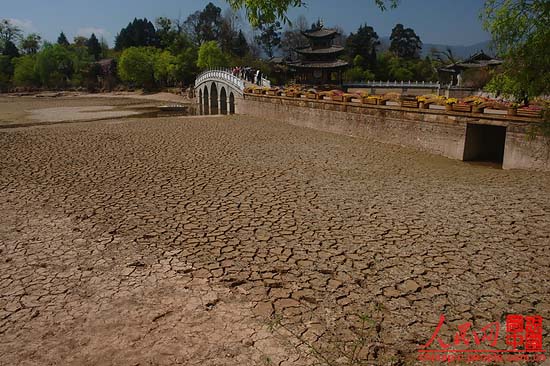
138	33
9	32
137	65
62	40
166	32
94	48
105	50
186	66
165	69
240	46
391	67
521	36
293	38
269	11
6	72
404	42
81	61
363	43
54	66
210	56
229	31
356	74
25	73
204	25
80	41
10	50
31	44
269	37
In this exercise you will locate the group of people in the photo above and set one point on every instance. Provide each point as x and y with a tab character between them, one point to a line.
249	74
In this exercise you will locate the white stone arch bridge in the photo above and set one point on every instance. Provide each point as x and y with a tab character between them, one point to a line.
218	91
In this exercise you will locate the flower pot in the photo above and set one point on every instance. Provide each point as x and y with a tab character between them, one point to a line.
448	107
373	101
512	112
476	109
409	103
338	98
534	113
462	107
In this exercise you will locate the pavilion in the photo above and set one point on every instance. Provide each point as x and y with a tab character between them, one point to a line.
319	63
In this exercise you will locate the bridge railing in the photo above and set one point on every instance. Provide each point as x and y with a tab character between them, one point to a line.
226	75
393	84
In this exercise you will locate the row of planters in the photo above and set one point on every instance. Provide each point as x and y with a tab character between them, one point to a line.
479	105
472	104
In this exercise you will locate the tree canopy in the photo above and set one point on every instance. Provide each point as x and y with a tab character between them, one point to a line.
210	55
138	33
137	65
204	25
363	43
404	42
10	50
521	36
54	66
269	11
9	32
25	71
31	43
94	48
62	40
270	37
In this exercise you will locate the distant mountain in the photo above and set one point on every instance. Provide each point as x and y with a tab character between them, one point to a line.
460	52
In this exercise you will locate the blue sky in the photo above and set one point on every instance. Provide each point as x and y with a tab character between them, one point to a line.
453	22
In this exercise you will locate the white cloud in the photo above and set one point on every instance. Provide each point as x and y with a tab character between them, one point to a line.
25	24
87	32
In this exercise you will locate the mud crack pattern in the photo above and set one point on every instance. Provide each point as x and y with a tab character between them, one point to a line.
177	240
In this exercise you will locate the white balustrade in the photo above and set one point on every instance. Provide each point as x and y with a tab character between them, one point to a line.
398	84
226	75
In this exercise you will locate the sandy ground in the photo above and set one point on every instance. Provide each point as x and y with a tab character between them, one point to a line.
159	97
233	241
58	107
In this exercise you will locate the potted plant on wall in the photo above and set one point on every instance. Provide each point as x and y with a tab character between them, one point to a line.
409	101
512	109
462	106
449	103
478	105
370	99
530	111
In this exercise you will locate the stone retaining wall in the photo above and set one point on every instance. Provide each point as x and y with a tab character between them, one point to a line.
435	131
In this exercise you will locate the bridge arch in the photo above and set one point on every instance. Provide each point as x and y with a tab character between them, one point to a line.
223	101
214	107
206	101
231	103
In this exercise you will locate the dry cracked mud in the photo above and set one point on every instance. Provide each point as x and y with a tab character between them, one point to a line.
238	241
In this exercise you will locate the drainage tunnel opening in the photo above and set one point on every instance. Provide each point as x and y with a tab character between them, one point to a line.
484	143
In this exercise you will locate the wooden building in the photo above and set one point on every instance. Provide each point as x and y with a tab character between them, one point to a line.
319	63
473	72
